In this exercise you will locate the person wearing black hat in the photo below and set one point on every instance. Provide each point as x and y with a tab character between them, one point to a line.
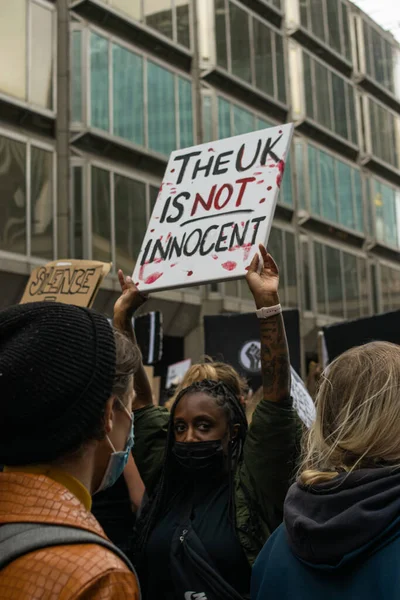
66	431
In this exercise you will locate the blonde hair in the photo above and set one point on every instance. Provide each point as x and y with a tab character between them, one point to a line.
216	371
358	414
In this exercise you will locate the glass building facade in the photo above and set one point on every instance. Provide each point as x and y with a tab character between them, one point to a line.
144	77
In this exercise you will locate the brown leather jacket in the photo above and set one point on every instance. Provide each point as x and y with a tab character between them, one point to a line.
84	572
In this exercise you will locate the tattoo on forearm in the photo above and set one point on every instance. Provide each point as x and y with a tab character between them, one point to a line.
275	366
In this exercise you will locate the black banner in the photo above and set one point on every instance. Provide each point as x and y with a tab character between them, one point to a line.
342	336
149	335
235	339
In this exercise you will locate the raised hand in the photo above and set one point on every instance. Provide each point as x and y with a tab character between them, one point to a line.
263	283
130	299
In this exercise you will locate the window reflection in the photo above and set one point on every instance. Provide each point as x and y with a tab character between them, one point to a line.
161	109
182	22
291	270
351	286
130	220
13	196
158	14
240	42
99	82
41	203
220	33
101	215
128	101
320	278
264	65
334	281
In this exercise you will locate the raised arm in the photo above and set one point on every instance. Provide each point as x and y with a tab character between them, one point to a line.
270	446
124	309
275	363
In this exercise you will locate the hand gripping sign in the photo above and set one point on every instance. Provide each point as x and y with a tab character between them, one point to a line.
215	205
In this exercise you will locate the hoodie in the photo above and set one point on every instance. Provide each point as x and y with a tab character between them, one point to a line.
339	539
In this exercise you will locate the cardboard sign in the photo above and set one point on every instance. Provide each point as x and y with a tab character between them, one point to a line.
302	401
215	205
67	281
176	372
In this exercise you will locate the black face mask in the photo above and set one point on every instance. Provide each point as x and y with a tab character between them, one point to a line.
199	456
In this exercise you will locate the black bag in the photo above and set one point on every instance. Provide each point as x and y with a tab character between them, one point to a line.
18	539
193	572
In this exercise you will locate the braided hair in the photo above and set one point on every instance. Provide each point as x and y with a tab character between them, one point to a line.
229	402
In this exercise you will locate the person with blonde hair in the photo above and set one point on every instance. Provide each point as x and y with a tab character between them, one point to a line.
216	371
341	531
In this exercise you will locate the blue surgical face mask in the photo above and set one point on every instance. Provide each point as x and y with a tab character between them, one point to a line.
117	461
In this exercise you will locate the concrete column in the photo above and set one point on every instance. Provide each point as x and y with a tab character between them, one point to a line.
62	129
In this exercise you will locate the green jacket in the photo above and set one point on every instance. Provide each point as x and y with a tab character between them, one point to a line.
261	480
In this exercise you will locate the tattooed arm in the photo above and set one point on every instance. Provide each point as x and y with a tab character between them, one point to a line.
126	305
270	447
275	364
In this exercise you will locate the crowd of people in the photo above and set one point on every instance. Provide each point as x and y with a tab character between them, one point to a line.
213	497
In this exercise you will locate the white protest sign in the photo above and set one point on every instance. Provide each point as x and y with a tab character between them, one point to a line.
177	371
215	205
302	401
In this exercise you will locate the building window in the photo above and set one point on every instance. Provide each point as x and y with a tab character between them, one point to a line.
150	105
281	245
121	208
328	20
390	288
27	208
76	75
235	120
76	221
380	57
329	99
386	208
335	187
341	282
250	49
171	18
384	127
27	29
41	204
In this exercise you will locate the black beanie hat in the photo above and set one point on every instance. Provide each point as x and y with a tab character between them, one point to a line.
57	367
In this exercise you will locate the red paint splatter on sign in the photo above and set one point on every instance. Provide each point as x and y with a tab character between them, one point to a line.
168	236
262	200
158	260
152	278
281	169
280	131
211	150
215	256
190	273
172	170
229	265
258	173
261	181
272	165
141	270
161	237
173	265
269	188
242	223
247	250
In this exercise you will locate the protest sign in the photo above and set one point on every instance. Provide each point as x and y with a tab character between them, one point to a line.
215	205
67	281
342	336
302	401
176	372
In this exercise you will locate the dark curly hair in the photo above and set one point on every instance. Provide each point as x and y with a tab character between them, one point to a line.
159	502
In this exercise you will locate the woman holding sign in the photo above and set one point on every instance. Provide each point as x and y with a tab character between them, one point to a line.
216	488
